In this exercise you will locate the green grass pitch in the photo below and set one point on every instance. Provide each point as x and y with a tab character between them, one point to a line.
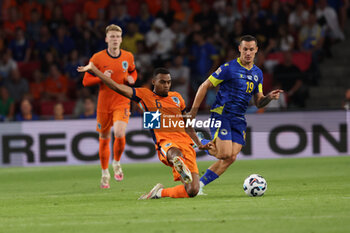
303	195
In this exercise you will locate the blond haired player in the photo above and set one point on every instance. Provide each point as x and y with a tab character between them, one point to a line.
112	108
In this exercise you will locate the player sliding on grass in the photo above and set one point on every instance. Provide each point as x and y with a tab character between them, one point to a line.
239	80
174	145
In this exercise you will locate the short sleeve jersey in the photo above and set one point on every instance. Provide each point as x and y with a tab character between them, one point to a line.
122	65
237	86
171	108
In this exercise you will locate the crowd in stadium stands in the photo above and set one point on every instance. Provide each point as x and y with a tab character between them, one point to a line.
43	41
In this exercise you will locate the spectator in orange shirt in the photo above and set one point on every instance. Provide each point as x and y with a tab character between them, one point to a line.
5	6
70	8
48	9
185	14
91	8
27	7
14	22
154	6
37	87
56	84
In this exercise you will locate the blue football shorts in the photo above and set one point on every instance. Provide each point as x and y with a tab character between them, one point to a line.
233	129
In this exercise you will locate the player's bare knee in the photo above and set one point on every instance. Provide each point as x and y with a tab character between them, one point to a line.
223	153
192	190
233	157
223	156
119	135
230	160
104	135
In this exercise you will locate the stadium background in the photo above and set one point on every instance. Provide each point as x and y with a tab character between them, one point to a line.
302	49
43	41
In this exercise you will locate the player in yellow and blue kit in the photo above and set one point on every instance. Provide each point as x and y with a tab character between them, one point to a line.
239	80
238	86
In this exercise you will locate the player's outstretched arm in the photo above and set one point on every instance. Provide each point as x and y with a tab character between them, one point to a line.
120	88
202	91
261	100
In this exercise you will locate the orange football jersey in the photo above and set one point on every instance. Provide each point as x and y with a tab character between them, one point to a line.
122	66
171	108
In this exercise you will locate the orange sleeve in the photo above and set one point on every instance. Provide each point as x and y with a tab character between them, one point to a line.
91	79
89	10
132	68
139	94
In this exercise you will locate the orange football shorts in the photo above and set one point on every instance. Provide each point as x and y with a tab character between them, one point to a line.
105	120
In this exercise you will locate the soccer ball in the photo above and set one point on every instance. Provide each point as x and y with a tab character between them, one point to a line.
254	185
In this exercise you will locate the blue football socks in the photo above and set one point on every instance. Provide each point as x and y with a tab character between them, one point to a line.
208	177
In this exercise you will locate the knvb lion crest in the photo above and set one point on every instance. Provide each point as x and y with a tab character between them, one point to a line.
168	144
176	100
125	65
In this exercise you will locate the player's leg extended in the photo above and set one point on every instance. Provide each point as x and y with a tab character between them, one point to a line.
229	139
104	153
190	180
183	190
118	148
223	149
120	119
180	191
104	124
220	166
